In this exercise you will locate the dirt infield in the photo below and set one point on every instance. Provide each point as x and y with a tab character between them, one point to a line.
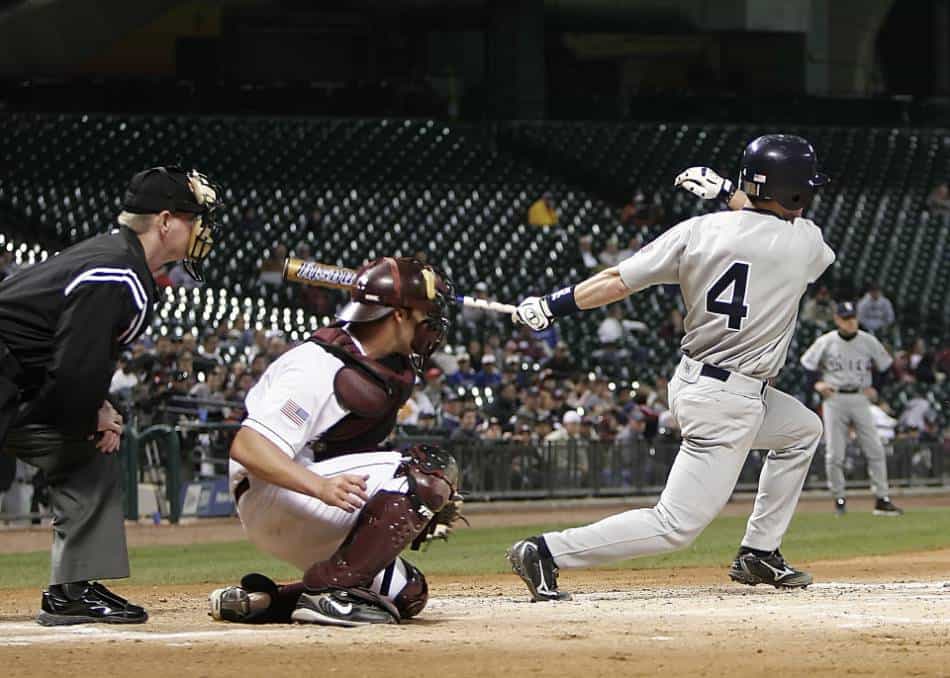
882	615
868	616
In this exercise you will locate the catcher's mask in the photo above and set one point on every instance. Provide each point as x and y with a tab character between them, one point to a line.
389	283
177	190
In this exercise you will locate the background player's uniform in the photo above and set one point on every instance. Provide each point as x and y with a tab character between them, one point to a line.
293	406
742	275
846	364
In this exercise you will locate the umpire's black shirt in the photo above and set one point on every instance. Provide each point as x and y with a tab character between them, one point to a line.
65	320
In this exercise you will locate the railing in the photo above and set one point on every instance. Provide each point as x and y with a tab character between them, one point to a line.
185	466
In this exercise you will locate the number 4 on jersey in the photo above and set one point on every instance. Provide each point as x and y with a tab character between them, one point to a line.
735	309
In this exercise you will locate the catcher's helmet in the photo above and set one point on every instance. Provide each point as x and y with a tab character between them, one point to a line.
389	283
781	167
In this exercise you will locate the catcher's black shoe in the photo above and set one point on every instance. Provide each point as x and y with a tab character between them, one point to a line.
536	570
343	607
841	506
85	603
751	569
884	507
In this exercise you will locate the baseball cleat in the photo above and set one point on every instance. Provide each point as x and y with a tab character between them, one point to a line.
339	608
536	571
751	569
841	506
231	604
884	507
86	603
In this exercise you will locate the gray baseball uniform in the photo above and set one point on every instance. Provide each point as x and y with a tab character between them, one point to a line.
742	275
846	365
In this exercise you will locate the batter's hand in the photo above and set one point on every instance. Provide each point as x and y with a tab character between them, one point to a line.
347	491
705	183
534	313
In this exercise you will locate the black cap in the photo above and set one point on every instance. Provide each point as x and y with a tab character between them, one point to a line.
845	310
161	188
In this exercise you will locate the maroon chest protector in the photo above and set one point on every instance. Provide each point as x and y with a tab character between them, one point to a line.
372	390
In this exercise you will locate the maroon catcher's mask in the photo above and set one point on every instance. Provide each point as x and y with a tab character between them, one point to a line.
389	283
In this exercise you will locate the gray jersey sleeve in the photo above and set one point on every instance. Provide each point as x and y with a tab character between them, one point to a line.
880	356
824	256
658	262
811	359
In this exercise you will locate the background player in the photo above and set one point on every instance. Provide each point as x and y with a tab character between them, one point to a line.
742	275
310	484
845	359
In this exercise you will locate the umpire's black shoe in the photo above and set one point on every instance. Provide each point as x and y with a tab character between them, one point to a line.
885	507
841	506
749	568
85	603
538	571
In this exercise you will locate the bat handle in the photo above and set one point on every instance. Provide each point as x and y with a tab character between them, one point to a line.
494	306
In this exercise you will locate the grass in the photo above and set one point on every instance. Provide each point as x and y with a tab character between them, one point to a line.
812	536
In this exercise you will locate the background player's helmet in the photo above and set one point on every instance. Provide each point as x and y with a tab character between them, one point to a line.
781	167
174	189
389	283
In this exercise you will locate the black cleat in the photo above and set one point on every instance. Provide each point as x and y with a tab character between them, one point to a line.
90	604
884	507
537	571
751	569
841	506
340	607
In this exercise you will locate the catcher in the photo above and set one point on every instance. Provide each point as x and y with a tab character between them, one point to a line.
311	486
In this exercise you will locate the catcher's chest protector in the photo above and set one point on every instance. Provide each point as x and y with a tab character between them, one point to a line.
372	390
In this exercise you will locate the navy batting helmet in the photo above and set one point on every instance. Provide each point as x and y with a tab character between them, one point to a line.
781	167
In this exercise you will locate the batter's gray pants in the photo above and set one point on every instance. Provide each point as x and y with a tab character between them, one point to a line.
841	411
85	492
720	422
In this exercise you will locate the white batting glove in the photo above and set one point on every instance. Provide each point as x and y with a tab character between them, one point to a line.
534	313
705	183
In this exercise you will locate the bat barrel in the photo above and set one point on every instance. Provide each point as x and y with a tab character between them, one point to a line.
313	273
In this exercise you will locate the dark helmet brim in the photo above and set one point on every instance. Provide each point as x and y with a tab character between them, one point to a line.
359	312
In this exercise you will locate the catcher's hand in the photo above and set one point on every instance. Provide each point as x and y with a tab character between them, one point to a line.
705	183
534	313
441	525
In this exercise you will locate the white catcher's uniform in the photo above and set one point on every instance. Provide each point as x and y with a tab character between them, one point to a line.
292	405
742	275
847	365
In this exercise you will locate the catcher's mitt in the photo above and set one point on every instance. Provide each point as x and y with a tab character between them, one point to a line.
441	525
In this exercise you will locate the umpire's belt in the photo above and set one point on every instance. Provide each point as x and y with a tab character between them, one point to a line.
240	489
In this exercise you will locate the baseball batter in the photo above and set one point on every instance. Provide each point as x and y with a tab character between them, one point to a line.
742	274
843	361
311	486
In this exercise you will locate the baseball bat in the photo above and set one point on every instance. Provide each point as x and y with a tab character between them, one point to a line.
341	278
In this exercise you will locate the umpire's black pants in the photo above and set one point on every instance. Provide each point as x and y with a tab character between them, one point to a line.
85	490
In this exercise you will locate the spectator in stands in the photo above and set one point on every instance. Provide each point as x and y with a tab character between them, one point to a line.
875	311
124	379
918	413
568	450
258	366
917	364
584	244
434	387
276	347
467	430
209	353
472	316
488	376
611	254
475	352
636	205
610	330
505	403
272	268
413	408
939	199
561	364
542	211
449	416
820	309
465	376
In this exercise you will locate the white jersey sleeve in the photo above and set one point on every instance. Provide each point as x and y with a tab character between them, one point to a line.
824	256
880	356
658	262
294	402
811	359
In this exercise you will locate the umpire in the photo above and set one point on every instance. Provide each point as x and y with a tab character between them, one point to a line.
843	363
62	325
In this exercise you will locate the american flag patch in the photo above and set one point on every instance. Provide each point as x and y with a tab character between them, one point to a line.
294	412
